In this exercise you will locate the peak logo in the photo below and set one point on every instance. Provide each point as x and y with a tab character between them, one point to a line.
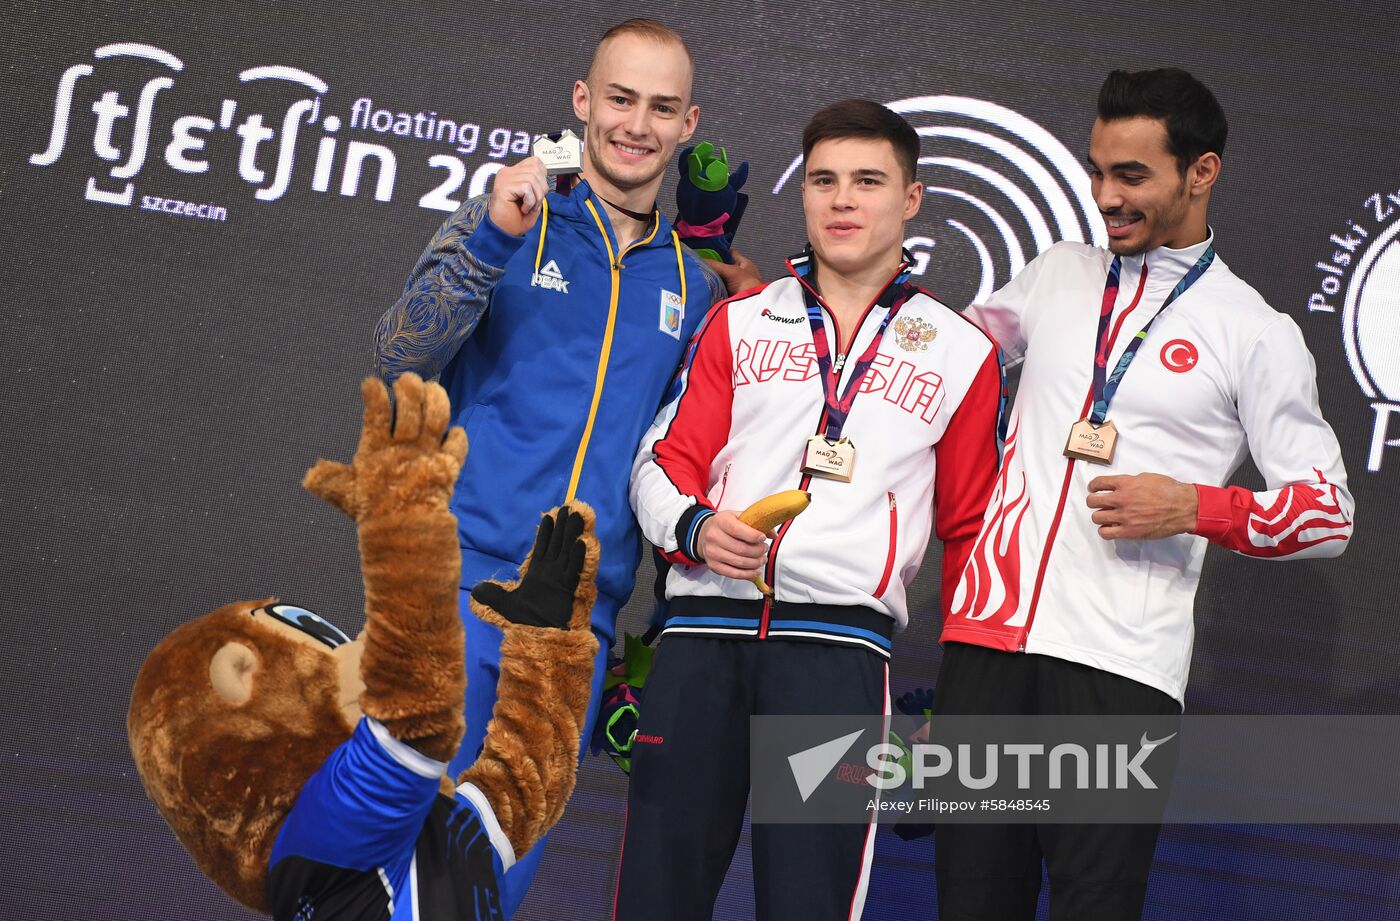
999	189
550	278
1360	281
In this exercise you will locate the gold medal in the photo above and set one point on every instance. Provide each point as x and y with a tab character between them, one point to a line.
832	460
1092	443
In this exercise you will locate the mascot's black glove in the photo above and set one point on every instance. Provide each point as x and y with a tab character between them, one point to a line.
544	596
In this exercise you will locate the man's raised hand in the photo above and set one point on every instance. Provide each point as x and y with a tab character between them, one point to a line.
517	196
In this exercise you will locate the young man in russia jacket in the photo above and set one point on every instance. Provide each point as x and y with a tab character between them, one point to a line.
842	355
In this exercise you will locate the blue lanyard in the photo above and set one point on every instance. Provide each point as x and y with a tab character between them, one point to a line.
838	405
1106	386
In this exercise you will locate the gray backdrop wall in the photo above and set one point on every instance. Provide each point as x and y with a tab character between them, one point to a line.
168	377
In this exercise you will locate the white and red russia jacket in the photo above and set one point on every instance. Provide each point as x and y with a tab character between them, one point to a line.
1219	374
733	430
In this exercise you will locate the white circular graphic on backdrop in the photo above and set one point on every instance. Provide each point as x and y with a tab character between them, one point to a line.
1001	184
1371	318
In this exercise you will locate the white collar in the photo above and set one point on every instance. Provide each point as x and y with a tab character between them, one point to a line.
1173	262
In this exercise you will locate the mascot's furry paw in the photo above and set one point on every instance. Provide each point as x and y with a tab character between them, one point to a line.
397	490
406	459
527	766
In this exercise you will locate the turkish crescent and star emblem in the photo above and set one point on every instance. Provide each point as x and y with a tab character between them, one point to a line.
1180	356
913	334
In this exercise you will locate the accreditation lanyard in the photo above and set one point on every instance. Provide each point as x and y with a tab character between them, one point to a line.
838	408
1106	385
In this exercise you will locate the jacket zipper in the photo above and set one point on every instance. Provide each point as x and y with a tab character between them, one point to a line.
770	569
1069	472
889	556
615	272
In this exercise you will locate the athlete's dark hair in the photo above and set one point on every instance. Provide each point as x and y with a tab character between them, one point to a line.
861	118
1194	119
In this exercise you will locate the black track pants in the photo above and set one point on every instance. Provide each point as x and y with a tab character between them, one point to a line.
992	872
690	781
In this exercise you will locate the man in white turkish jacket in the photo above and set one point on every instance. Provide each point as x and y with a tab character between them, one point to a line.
1078	595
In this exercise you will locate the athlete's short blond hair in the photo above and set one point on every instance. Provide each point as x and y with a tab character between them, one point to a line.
653	29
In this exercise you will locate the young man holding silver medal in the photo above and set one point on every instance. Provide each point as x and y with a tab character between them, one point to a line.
1150	369
555	319
845	381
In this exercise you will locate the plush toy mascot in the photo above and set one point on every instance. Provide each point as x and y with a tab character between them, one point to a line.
305	772
708	201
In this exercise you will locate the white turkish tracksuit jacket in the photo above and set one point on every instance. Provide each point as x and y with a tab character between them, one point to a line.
925	430
1219	373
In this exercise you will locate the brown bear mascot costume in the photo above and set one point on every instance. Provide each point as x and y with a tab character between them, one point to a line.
304	772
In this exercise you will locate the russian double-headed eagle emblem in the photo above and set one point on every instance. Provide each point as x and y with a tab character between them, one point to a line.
913	334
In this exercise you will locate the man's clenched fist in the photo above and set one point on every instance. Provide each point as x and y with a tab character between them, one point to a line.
732	548
517	195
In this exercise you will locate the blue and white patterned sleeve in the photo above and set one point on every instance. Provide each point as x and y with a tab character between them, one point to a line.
446	295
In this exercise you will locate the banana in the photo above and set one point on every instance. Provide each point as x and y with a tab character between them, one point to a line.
768	513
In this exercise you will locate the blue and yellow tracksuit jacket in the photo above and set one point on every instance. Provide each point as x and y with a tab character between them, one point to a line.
555	349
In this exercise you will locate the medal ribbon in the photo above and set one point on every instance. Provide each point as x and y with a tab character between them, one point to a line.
838	408
1106	385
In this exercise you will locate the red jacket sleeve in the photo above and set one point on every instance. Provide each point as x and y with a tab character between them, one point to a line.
968	456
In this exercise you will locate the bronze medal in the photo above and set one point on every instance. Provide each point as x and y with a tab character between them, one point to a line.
1092	443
